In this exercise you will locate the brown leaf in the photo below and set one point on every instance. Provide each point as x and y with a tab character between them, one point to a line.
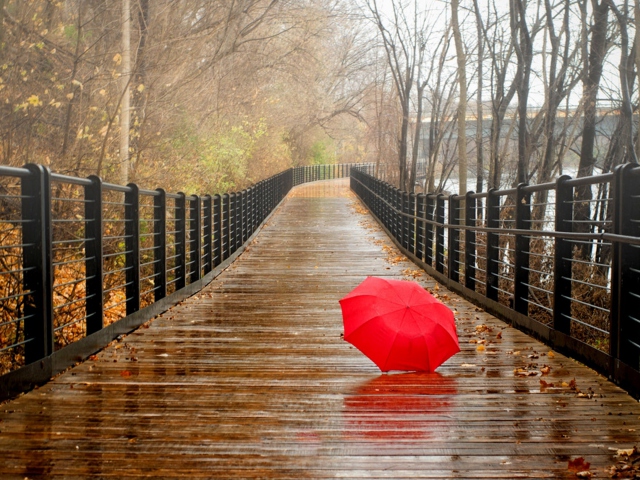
125	373
545	370
578	465
544	384
499	336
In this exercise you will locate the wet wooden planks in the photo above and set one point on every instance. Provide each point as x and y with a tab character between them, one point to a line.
250	379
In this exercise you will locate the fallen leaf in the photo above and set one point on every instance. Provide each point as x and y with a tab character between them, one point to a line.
480	348
499	336
545	370
125	373
578	465
584	474
551	354
544	384
628	451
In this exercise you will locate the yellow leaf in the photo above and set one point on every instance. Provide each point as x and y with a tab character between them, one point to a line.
34	100
551	354
141	88
628	452
117	59
102	92
480	348
70	96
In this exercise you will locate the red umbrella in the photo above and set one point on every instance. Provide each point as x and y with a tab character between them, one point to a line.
399	325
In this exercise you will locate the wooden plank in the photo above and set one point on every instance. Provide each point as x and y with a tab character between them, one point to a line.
250	378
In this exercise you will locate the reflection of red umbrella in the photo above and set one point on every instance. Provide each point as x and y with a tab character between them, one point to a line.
399	325
404	406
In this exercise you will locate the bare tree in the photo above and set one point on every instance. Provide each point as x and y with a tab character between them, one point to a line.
125	78
462	100
401	39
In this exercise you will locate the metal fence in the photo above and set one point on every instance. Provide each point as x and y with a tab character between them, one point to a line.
83	261
560	260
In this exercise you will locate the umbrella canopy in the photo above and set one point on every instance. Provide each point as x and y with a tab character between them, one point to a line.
399	325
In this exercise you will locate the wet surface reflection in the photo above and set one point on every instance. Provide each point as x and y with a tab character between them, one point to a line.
400	406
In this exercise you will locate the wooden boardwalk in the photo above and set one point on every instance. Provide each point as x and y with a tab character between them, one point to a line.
251	379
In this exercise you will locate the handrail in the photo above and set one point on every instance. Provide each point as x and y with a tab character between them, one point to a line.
121	255
563	268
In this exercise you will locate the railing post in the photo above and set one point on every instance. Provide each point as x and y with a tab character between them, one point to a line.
238	221
195	239
132	247
93	252
412	223
453	240
397	203
439	214
430	215
246	217
625	289
232	223
521	260
470	242
226	231
37	257
249	213
493	239
181	240
207	213
420	213
217	230
563	256
404	208
160	244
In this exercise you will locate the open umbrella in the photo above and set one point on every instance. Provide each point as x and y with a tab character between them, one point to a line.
399	325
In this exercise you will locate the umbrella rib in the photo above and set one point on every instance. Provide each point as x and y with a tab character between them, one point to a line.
395	336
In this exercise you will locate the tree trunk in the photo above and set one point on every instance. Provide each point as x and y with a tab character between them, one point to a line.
626	152
524	53
479	107
636	9
462	102
591	84
125	111
416	139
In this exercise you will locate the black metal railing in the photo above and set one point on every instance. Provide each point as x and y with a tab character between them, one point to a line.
560	260
83	261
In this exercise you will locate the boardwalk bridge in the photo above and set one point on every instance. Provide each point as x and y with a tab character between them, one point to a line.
204	333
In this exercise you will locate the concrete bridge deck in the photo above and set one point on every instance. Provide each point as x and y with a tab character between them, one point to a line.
250	378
